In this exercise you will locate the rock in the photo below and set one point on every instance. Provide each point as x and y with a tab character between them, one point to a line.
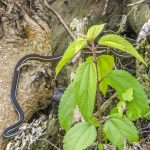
139	14
35	85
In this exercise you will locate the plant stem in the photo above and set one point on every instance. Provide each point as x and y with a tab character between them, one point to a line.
98	97
100	132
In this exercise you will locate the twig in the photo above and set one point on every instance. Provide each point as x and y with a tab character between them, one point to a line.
105	7
121	55
127	64
108	102
137	3
148	127
145	131
97	52
109	31
60	19
104	119
2	27
49	143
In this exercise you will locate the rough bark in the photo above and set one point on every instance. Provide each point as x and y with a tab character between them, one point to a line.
35	86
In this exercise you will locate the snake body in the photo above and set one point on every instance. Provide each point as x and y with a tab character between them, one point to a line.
13	129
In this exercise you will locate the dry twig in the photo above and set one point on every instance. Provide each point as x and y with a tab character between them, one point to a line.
105	8
137	3
59	18
49	143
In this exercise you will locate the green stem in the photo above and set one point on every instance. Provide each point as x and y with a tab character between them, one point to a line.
98	98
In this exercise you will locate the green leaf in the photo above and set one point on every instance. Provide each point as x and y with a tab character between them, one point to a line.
90	58
117	130
94	31
94	121
121	107
105	64
66	108
80	136
133	115
73	48
85	88
120	43
100	147
147	115
121	81
128	95
113	111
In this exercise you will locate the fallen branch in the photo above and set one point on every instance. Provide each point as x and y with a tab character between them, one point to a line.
49	143
60	19
136	3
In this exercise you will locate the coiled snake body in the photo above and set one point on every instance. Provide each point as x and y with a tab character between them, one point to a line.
12	130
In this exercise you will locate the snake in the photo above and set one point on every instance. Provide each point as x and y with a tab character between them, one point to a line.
13	129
